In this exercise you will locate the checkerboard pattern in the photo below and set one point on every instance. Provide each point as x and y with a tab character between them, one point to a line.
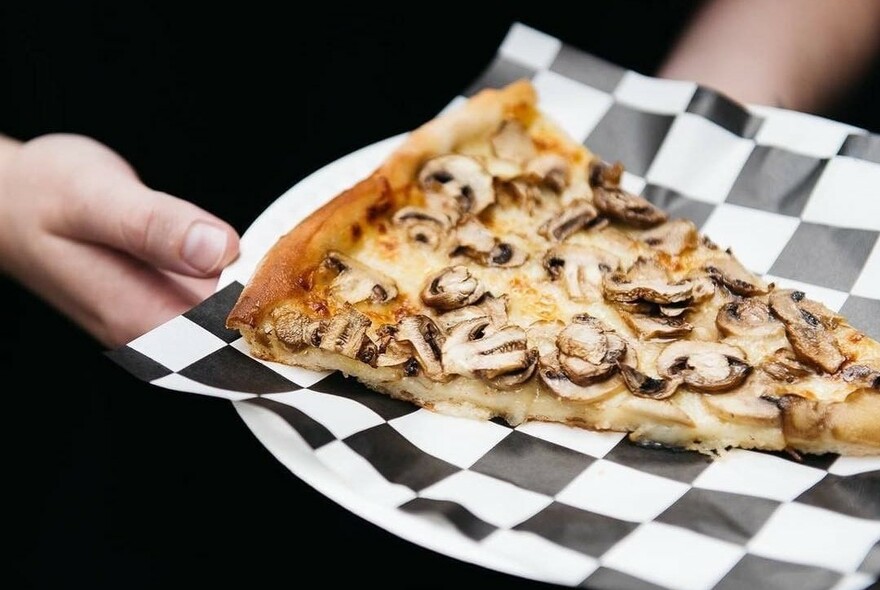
795	197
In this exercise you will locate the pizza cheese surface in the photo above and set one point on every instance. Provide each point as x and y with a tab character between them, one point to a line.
494	267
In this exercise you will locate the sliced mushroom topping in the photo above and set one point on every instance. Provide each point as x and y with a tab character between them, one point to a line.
647	268
657	410
650	327
290	329
747	317
626	207
853	420
518	377
730	407
673	237
581	267
731	273
427	341
783	365
521	194
551	170
476	241
523	191
452	318
542	335
862	375
605	174
358	282
512	142
636	307
495	308
674	310
553	377
391	352
445	206
577	216
704	366
346	333
461	179
475	347
582	372
704	288
451	288
423	225
501	169
474	236
504	254
646	289
579	190
491	307
589	350
619	286
700	293
826	317
630	356
801	418
589	339
313	333
808	335
395	354
644	386
368	352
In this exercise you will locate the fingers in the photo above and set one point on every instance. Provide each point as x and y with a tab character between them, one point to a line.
79	229
159	229
107	204
169	233
109	294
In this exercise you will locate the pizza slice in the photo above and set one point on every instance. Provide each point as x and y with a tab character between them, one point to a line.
491	266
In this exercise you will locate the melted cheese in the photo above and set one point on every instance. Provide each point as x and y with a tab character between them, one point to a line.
532	295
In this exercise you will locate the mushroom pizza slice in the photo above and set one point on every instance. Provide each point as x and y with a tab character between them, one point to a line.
491	266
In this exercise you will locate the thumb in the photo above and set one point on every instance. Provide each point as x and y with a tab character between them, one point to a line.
176	235
160	229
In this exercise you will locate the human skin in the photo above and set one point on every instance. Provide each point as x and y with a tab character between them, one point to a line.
797	54
80	230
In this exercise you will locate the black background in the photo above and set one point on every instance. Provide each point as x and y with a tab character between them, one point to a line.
114	483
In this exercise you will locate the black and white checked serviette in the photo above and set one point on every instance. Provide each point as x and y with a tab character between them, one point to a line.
795	196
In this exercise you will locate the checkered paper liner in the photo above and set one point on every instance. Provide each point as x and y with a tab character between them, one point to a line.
797	197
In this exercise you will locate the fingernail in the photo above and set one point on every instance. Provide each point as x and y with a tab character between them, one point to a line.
204	246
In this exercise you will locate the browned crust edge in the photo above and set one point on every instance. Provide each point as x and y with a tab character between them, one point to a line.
284	272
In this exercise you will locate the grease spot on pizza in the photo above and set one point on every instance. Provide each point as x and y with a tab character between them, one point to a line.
379	208
356	231
319	307
305	280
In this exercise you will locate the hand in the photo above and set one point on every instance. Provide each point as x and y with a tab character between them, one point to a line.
797	54
79	229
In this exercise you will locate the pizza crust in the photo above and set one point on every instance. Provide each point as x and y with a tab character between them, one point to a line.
698	352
